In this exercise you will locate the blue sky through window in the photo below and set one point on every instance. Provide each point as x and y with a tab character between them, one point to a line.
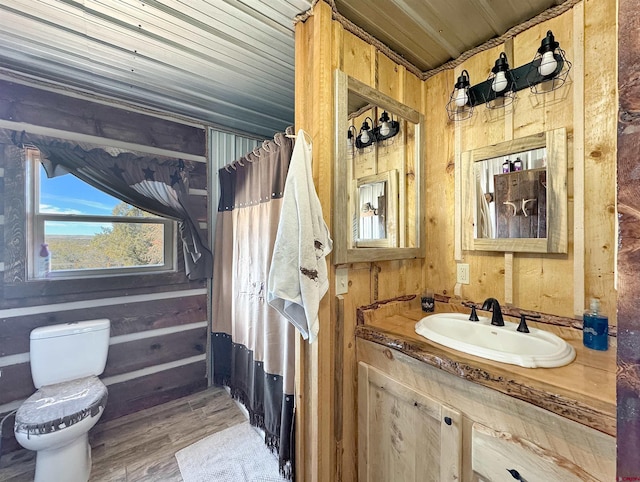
69	195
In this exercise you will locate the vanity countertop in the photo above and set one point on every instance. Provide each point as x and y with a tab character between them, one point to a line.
583	391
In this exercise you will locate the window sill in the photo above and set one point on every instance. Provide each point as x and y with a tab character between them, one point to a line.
69	289
96	274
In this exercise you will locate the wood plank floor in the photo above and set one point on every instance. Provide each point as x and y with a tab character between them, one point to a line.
141	446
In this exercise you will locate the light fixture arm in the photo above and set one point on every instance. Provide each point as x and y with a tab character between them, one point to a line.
352	133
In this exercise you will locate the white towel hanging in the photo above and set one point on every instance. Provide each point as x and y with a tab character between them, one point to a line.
298	274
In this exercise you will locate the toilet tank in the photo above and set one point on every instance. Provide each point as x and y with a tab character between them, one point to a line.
60	353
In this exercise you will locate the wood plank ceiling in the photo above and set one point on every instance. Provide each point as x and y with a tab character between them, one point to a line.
430	33
226	63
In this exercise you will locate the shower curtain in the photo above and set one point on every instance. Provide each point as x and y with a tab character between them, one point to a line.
253	346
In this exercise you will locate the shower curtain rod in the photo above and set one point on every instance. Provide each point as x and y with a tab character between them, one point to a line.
289	133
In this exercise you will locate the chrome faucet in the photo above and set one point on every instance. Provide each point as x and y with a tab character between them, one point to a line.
491	304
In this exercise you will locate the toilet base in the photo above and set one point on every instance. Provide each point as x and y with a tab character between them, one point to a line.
69	463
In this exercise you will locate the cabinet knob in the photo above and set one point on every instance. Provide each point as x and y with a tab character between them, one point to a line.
515	474
448	420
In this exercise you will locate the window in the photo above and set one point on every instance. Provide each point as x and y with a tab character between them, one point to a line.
89	233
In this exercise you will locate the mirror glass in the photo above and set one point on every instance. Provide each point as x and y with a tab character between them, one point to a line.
512	196
375	221
515	195
378	195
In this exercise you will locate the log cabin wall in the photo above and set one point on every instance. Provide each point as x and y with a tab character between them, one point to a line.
158	340
553	284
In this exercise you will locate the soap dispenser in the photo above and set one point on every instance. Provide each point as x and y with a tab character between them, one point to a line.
595	332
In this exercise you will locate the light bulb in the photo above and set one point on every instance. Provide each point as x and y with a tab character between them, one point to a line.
548	64
462	97
499	82
364	137
384	129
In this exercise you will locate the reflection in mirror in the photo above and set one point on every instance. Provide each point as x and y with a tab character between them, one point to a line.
375	220
378	194
514	195
372	225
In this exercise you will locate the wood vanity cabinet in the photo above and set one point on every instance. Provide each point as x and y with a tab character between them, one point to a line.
503	456
420	423
404	435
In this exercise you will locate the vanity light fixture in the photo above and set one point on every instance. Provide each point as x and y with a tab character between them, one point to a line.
548	70
460	105
351	136
502	84
366	136
387	128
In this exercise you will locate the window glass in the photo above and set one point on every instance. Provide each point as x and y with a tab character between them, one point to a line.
90	233
69	195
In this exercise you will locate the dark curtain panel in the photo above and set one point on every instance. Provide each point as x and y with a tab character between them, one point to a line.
253	346
155	184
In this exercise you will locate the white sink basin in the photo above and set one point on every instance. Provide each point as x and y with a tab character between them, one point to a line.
500	343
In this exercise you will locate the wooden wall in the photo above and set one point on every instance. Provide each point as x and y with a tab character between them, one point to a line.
585	106
553	284
328	439
158	340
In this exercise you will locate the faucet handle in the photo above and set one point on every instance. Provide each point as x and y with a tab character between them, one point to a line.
473	316
522	327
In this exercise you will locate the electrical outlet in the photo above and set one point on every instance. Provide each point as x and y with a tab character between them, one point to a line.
463	273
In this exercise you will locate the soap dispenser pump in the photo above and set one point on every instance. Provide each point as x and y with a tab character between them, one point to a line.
595	332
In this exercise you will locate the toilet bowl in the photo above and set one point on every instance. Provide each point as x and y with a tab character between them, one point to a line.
55	421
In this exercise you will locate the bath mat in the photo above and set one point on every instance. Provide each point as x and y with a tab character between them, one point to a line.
236	454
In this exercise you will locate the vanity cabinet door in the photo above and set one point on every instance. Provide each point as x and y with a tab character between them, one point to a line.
403	435
500	456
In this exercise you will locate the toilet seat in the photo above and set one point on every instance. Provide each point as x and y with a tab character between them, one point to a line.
56	407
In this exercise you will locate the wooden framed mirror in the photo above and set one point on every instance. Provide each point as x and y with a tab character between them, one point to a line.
377	224
514	195
378	187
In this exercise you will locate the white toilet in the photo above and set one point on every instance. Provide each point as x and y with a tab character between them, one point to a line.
55	421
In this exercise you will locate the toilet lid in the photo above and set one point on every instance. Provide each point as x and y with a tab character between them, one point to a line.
55	407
